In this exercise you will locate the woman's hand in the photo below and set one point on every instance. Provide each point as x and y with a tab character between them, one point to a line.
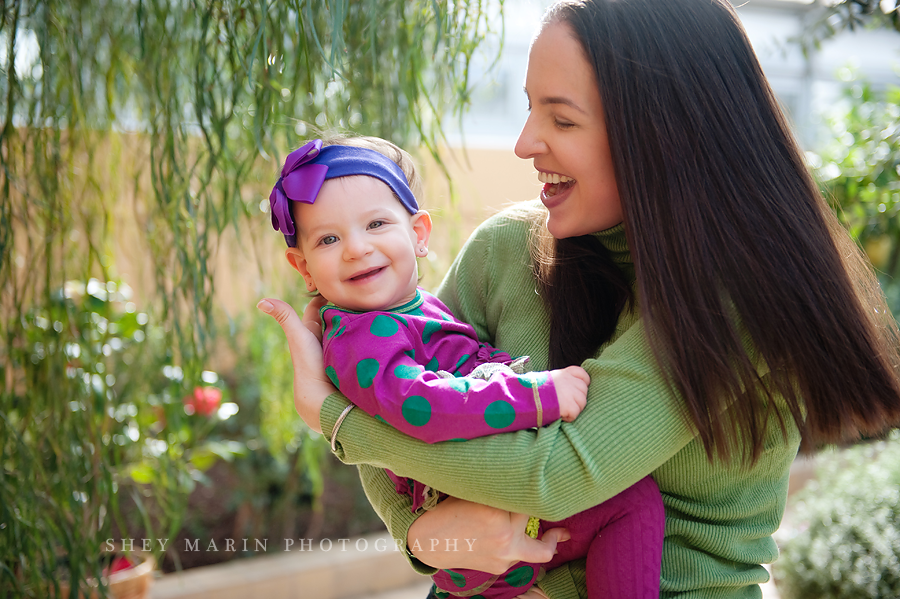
311	385
462	534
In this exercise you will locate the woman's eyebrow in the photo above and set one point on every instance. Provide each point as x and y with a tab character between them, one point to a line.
557	100
561	100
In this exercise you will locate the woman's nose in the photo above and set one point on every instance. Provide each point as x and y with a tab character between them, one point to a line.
529	144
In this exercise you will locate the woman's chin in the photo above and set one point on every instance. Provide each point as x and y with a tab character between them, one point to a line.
560	229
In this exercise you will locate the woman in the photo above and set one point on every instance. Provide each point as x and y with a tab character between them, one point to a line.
686	260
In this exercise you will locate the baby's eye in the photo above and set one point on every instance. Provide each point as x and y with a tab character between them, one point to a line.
375	224
564	124
328	240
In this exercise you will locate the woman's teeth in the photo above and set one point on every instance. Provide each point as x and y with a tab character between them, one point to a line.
554	182
553	178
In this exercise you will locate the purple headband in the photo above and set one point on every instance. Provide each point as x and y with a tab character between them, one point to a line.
307	168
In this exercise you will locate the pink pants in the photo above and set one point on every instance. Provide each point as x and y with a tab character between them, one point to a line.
621	539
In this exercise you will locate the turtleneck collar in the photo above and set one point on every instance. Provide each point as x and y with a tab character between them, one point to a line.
614	240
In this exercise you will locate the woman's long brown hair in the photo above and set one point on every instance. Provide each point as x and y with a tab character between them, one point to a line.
729	237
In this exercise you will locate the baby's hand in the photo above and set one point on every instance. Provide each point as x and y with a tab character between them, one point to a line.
571	390
311	318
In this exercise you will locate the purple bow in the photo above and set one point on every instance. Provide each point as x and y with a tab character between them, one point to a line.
299	185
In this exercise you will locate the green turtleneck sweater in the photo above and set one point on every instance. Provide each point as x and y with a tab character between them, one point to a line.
719	517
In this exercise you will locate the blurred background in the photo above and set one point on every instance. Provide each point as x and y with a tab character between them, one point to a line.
144	396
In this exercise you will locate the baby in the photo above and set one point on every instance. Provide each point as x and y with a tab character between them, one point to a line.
354	230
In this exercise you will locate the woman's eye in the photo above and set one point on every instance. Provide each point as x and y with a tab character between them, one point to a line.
375	224
328	240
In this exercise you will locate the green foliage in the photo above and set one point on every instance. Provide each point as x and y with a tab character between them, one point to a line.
155	126
215	92
95	409
844	540
860	171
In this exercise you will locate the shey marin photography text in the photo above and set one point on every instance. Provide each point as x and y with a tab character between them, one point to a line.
262	545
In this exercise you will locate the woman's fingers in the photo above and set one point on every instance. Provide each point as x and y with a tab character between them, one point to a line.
536	551
555	536
286	317
311	385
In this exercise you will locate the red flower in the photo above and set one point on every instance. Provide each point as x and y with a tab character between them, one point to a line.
119	563
204	401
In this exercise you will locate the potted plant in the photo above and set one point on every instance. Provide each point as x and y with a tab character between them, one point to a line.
126	575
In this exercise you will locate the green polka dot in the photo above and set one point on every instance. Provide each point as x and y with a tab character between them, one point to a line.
460	384
461	362
378	417
457	578
533	379
405	371
336	328
431	327
399	319
432	365
499	414
333	376
411	353
520	576
384	326
416	312
416	410
495	352
366	371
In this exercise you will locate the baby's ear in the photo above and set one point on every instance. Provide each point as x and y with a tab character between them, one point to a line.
295	258
421	225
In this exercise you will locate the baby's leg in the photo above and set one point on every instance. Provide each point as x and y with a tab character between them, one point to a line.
471	583
622	540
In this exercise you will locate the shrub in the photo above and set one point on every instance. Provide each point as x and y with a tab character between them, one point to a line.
844	542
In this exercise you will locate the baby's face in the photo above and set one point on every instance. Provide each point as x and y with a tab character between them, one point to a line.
358	244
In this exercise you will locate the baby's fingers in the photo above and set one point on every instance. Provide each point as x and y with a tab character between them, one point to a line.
580	373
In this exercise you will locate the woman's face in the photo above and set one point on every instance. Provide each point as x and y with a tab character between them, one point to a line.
565	135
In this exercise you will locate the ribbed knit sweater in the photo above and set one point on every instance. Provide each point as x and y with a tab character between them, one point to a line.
719	516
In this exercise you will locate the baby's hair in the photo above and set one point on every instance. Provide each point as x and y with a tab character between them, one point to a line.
383	146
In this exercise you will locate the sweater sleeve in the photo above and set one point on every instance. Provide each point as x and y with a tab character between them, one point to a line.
379	375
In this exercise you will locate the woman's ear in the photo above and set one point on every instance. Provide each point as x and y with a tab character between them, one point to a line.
295	259
421	226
